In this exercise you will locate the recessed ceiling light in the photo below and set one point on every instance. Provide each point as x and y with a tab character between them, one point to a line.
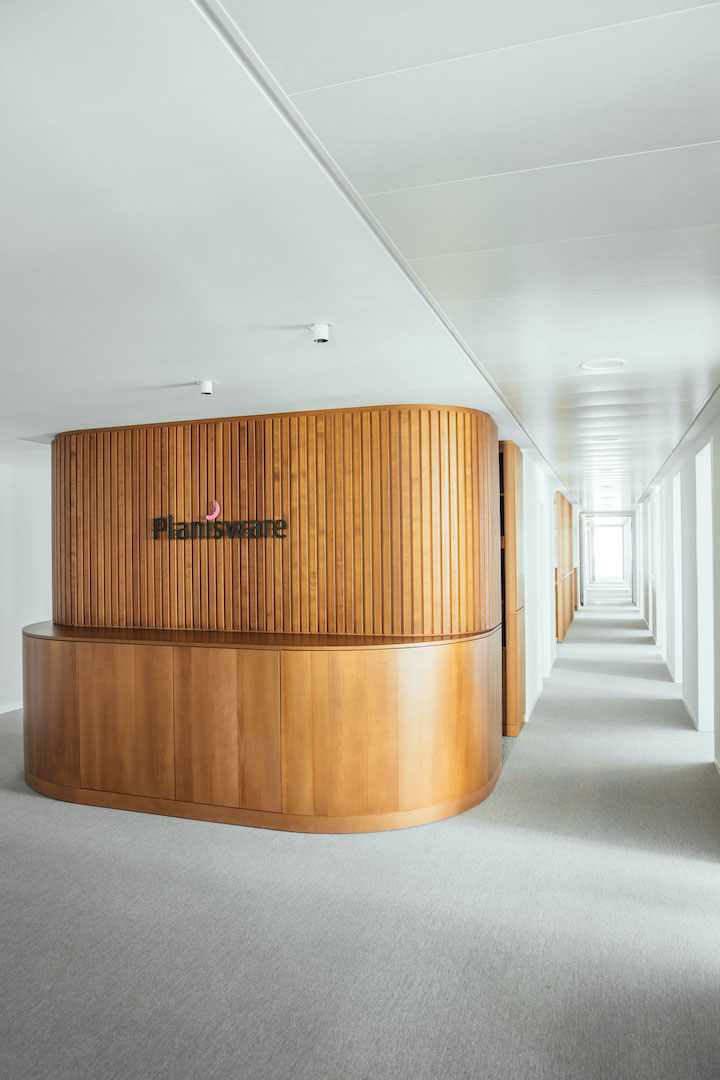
611	363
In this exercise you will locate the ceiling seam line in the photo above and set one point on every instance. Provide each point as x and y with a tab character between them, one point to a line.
566	240
210	10
541	168
590	292
504	48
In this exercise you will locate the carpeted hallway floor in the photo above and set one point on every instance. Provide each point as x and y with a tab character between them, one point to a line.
567	929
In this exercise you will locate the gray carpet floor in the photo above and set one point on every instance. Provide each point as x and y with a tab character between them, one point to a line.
567	929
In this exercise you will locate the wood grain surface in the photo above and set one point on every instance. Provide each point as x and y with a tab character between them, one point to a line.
392	524
227	727
340	739
514	585
125	719
565	576
262	819
514	711
514	525
50	711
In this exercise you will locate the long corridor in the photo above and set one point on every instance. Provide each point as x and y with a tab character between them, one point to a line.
566	929
622	856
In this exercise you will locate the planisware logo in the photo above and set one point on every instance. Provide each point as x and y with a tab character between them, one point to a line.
212	529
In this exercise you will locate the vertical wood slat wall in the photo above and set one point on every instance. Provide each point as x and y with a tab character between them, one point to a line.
392	513
565	576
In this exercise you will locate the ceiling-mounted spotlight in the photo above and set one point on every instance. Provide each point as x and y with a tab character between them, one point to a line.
610	363
320	332
206	387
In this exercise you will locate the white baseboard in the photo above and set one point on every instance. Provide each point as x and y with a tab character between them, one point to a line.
11	708
690	713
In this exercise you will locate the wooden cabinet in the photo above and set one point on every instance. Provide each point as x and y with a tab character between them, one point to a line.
340	732
125	719
334	738
389	730
227	727
50	715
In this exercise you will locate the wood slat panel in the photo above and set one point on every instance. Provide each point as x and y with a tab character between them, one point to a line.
392	512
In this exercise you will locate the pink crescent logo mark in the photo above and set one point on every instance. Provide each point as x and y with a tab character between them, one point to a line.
211	517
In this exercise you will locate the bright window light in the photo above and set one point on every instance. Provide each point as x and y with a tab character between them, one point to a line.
608	552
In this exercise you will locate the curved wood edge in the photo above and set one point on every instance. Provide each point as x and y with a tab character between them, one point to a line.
281	415
238	639
259	819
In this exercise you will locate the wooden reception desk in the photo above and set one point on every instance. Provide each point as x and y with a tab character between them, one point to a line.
288	621
334	735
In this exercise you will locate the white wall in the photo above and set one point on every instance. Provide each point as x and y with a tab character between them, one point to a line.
638	560
688	591
576	537
25	564
540	561
705	588
644	572
659	578
697	641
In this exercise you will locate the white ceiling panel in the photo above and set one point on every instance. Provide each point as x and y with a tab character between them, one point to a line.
603	262
674	389
596	435
648	192
652	328
697	298
627	89
310	43
534	348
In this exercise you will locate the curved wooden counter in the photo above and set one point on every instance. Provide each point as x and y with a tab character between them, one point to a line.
289	621
324	733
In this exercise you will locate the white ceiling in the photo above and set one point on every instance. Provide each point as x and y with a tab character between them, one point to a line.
549	173
162	223
310	43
